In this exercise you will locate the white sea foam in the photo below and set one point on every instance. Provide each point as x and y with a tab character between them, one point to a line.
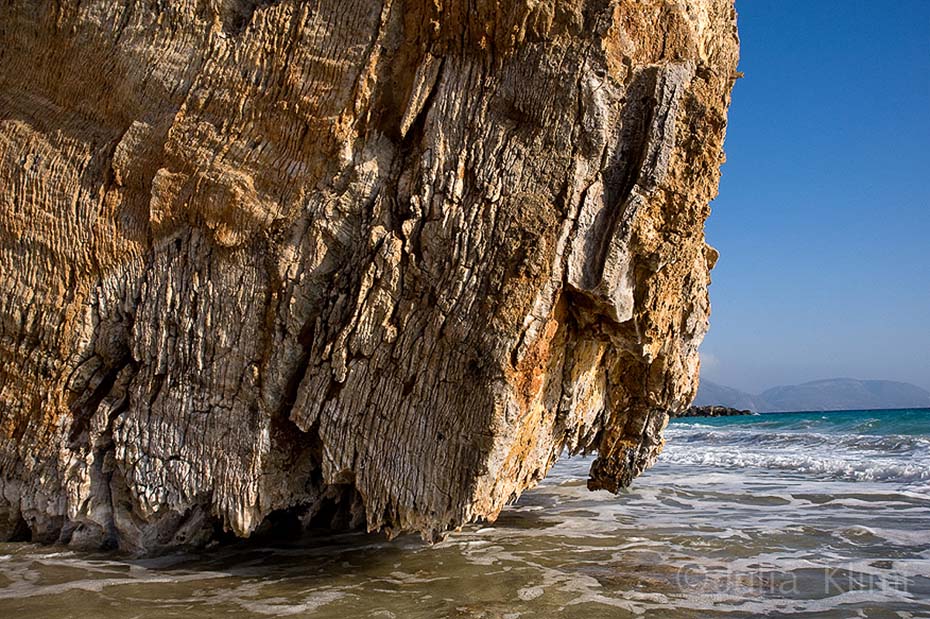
840	466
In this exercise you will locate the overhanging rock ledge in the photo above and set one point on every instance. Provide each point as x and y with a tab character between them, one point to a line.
369	262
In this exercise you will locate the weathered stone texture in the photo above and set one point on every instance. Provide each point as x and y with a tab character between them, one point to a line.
378	261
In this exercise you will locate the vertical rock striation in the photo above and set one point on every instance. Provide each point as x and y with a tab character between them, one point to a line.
370	261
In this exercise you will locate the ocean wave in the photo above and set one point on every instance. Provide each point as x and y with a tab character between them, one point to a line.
899	422
884	444
833	466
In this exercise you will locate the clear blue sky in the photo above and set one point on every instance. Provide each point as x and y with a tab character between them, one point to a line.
823	217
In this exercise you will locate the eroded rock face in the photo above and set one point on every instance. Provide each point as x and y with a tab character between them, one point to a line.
376	262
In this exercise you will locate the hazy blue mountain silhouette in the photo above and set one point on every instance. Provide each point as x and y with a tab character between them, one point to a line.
712	394
819	395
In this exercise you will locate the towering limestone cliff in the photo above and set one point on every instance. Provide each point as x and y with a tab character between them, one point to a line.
366	261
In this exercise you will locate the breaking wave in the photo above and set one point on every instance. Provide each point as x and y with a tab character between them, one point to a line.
866	446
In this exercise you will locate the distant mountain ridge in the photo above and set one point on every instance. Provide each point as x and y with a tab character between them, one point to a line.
819	395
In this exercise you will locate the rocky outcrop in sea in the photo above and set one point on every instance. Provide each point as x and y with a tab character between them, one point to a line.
712	411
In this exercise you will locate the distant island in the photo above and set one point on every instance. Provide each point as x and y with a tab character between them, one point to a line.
713	411
820	395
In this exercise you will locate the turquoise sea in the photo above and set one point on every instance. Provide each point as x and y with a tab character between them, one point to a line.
805	515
